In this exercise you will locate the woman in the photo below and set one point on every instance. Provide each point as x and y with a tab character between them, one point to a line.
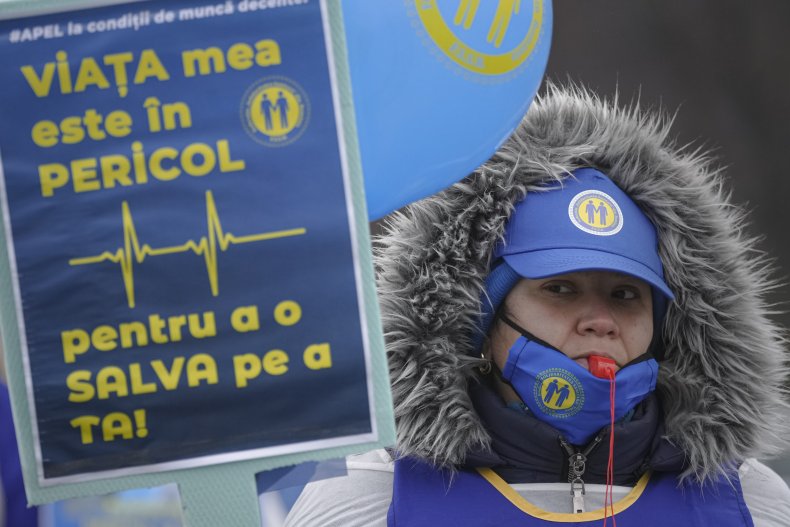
595	250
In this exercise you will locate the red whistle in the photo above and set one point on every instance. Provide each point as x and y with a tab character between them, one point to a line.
602	367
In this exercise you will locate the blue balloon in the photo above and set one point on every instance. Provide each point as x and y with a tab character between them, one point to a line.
438	86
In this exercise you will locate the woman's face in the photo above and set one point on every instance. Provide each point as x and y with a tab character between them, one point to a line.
581	314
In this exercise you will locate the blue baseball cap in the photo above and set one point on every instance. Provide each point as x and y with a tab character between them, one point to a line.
584	223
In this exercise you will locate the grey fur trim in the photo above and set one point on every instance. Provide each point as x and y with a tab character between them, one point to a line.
723	385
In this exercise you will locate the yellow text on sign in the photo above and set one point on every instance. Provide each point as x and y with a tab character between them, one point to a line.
113	426
67	75
155	330
141	378
74	129
164	164
275	362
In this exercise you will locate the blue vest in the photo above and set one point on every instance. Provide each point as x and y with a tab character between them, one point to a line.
425	496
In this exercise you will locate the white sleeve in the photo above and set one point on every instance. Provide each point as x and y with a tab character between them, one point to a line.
766	495
359	499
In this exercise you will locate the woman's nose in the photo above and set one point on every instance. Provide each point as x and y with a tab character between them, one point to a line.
596	318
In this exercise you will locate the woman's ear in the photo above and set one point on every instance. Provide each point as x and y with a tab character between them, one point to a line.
485	355
485	349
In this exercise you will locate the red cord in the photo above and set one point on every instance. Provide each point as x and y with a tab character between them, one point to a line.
609	494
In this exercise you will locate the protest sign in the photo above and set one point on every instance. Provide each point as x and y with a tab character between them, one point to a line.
186	239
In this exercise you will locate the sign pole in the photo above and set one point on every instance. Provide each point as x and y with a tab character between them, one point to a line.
222	495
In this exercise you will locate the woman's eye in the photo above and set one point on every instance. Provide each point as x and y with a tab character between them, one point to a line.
558	289
625	294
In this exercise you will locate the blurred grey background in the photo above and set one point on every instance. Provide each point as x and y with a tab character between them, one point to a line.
724	66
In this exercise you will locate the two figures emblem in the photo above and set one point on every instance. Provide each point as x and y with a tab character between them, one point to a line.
558	396
275	111
467	11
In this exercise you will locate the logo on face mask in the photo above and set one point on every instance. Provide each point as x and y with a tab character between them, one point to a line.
595	212
558	393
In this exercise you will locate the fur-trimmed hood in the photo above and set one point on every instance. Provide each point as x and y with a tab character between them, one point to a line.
722	384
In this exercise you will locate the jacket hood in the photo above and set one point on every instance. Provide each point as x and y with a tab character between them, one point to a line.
722	385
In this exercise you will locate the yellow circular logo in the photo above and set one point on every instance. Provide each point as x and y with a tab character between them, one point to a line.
558	393
596	213
275	111
488	37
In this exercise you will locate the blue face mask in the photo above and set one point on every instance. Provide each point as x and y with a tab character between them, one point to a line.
560	392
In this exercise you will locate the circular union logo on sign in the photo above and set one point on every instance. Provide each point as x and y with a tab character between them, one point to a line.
558	393
596	213
275	111
491	37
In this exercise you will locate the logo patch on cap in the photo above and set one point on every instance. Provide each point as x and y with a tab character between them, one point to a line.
558	393
595	212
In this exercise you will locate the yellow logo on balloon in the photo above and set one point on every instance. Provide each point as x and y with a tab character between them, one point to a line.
596	212
275	111
451	24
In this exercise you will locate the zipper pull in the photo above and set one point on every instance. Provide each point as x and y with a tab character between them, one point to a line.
577	464
577	493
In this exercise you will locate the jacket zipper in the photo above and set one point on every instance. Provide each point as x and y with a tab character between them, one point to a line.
577	464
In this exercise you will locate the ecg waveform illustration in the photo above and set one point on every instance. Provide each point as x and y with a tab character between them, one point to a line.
207	246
